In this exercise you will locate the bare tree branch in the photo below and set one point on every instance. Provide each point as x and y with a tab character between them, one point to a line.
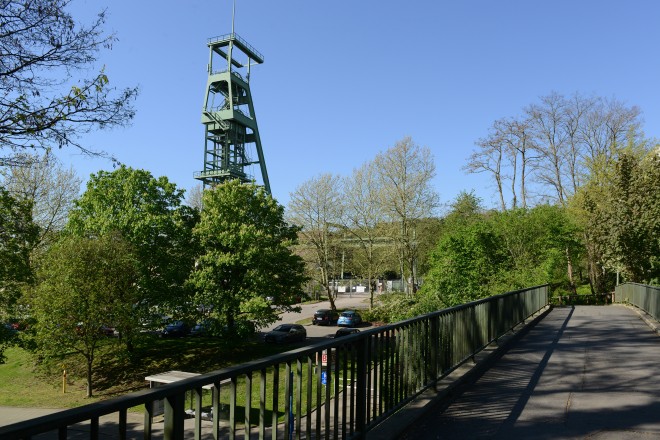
43	103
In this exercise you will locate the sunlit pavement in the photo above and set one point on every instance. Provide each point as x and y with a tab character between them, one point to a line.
584	372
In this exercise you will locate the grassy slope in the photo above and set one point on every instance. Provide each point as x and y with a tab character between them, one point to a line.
24	384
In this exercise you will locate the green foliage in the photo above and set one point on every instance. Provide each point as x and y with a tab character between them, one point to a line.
466	207
392	307
245	256
623	217
538	242
479	255
465	264
84	284
17	235
149	214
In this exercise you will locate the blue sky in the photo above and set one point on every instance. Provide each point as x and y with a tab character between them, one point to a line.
344	80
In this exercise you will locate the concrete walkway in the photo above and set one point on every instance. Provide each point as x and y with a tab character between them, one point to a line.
583	372
9	414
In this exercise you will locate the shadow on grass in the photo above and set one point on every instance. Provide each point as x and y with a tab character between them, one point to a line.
119	372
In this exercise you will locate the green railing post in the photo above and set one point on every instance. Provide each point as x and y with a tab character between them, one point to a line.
173	429
361	389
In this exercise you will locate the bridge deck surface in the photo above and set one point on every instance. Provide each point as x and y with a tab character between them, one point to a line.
583	372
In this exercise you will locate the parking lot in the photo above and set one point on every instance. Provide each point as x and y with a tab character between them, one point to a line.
344	301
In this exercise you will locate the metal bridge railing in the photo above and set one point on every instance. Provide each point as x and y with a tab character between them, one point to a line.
341	388
645	297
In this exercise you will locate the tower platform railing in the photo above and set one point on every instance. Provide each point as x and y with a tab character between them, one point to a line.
250	50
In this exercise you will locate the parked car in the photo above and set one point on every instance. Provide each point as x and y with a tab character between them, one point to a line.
325	317
286	333
346	331
174	330
349	318
200	329
8	329
107	330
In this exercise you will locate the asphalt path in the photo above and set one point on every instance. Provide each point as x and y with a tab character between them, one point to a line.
583	372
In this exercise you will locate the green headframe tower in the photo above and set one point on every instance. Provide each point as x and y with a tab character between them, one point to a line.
230	124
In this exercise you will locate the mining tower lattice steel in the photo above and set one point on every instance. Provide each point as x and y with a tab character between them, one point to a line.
228	114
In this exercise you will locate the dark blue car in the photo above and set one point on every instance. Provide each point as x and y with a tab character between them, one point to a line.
175	330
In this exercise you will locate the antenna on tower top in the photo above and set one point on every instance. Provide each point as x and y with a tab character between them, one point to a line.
233	14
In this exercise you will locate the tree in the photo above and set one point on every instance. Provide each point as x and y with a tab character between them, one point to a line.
557	144
148	213
316	207
551	143
466	207
464	265
50	188
246	257
43	104
194	197
84	284
571	142
490	159
485	253
364	223
405	171
577	111
519	148
507	148
17	236
625	222
609	128
540	243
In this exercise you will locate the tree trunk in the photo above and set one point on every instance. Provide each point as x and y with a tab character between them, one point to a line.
404	282
130	348
371	292
498	179
570	271
330	296
90	360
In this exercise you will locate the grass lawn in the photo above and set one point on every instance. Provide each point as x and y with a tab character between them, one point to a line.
23	383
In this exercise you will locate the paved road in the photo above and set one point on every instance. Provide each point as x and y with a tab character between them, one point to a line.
584	372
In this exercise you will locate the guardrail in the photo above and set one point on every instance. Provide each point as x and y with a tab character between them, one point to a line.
365	378
645	297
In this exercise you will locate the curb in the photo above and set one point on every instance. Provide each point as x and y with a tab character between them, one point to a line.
644	316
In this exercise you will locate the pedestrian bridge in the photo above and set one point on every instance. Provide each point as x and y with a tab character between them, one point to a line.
580	372
508	366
